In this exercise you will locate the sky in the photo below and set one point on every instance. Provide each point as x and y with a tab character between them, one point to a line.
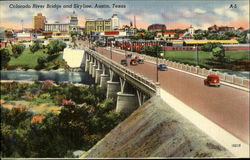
173	13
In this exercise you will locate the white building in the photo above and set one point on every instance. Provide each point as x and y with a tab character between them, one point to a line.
191	30
115	22
57	27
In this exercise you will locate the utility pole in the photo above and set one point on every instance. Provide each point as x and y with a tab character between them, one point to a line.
157	74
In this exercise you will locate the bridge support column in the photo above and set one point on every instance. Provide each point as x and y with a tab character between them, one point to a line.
112	89
86	65
98	76
93	70
103	80
90	67
126	103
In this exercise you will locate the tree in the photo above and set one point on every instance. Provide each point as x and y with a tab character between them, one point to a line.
243	36
55	47
8	33
17	49
74	42
219	54
152	50
230	34
208	47
198	36
36	46
5	57
73	33
149	36
41	62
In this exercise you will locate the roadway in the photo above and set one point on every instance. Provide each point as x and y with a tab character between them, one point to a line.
226	106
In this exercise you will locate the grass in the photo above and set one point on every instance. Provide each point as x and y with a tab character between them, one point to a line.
189	57
27	59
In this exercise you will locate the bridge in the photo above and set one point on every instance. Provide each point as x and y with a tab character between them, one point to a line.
127	88
225	108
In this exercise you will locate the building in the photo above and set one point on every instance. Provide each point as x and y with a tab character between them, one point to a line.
165	35
156	27
115	22
55	27
73	19
24	36
98	25
64	27
185	36
39	22
191	30
216	28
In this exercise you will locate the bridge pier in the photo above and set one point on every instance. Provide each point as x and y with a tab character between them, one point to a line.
103	81
126	103
98	72
94	69
98	76
113	85
87	65
90	67
112	89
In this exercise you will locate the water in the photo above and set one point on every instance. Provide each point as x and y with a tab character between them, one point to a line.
243	74
58	77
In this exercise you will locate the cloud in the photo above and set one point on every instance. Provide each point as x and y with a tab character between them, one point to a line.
199	11
227	12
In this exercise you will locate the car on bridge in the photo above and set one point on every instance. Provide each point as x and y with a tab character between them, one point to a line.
212	80
162	67
133	62
124	62
140	60
129	55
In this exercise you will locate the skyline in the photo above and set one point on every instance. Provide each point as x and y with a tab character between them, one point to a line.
174	14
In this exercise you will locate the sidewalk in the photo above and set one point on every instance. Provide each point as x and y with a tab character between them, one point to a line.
233	144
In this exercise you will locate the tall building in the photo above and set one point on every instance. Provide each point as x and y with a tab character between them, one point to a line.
98	25
39	22
73	19
115	22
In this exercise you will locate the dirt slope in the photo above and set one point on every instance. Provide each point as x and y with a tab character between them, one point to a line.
156	130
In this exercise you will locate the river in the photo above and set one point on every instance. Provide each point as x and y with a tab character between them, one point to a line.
58	77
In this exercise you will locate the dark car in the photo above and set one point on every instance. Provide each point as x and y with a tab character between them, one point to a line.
162	67
140	60
129	55
124	62
212	80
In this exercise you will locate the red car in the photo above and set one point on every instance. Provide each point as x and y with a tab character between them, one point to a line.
212	80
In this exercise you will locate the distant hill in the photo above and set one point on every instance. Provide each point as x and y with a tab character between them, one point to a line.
156	130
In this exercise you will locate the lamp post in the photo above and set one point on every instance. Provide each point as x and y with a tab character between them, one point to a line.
197	55
110	49
157	74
